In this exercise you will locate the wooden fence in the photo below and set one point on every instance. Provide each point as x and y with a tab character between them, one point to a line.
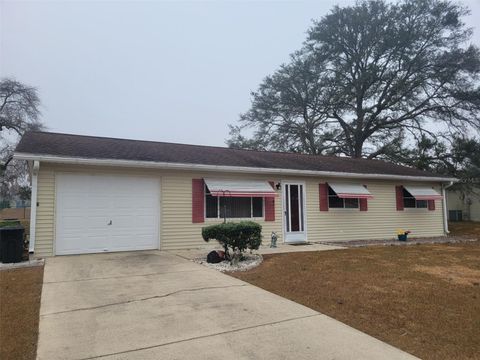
15	213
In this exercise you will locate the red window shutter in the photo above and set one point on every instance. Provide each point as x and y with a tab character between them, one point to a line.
323	194
399	196
270	206
198	201
363	205
431	205
269	209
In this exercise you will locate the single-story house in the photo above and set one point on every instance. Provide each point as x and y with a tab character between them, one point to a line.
464	205
96	194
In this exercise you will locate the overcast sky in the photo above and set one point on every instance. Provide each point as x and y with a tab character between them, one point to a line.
166	71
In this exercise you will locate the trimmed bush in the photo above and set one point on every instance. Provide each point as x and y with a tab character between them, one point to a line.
9	223
236	237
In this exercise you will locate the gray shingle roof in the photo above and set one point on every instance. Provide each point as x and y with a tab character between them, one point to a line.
93	147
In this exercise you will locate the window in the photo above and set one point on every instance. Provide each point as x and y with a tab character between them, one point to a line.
410	202
235	207
335	202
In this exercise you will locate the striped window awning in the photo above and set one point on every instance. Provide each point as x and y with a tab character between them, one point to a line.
423	193
239	188
350	191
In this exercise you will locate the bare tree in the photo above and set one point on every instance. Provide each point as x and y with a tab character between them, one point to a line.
19	106
19	112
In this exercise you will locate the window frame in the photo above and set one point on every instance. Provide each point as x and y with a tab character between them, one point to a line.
344	207
207	193
410	198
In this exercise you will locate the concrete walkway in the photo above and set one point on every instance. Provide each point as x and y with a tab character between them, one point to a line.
156	305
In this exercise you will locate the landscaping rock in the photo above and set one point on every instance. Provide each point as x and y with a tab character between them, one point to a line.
249	262
410	241
214	257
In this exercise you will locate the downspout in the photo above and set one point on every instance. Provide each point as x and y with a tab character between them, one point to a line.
445	216
33	205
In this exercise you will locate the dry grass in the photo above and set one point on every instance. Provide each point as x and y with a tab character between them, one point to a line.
465	228
20	293
424	299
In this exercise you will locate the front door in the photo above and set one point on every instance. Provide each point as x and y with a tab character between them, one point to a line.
294	212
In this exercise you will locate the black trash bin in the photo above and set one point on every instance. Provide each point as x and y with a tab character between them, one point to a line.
11	242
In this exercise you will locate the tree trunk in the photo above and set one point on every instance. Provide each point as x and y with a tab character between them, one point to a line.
358	152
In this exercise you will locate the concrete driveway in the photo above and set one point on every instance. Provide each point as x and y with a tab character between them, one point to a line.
156	305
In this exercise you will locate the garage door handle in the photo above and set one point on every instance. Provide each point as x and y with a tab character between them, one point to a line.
110	222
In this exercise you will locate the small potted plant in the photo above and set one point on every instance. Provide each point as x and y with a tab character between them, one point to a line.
402	234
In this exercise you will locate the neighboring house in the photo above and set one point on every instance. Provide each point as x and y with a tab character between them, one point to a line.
98	194
464	205
14	203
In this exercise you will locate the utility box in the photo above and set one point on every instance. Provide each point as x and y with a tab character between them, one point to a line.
11	242
455	215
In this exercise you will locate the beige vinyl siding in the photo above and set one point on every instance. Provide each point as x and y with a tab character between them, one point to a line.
176	227
456	201
380	221
475	208
44	232
177	230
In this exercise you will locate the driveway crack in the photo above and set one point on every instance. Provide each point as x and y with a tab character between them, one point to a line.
203	336
143	299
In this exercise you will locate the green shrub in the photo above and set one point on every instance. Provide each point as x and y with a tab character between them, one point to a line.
9	223
236	237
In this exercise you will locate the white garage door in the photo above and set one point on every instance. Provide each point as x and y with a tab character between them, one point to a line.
98	213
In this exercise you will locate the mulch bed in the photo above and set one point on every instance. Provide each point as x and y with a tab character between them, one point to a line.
423	299
20	294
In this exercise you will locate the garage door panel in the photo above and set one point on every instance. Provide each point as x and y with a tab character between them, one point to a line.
135	203
99	204
124	213
87	203
70	245
145	221
72	224
73	202
97	218
124	242
127	220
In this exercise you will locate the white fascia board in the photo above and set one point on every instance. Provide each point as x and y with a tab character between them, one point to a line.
221	168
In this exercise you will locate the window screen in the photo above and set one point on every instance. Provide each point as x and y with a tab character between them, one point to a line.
335	202
235	207
410	202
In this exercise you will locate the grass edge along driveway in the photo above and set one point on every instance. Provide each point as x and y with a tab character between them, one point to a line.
20	295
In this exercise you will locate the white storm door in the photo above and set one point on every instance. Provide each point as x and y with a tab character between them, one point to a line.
294	212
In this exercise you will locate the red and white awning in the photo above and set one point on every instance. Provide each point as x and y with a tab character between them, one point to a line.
240	188
423	193
350	191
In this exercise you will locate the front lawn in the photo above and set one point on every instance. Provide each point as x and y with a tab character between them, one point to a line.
424	299
20	293
465	228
